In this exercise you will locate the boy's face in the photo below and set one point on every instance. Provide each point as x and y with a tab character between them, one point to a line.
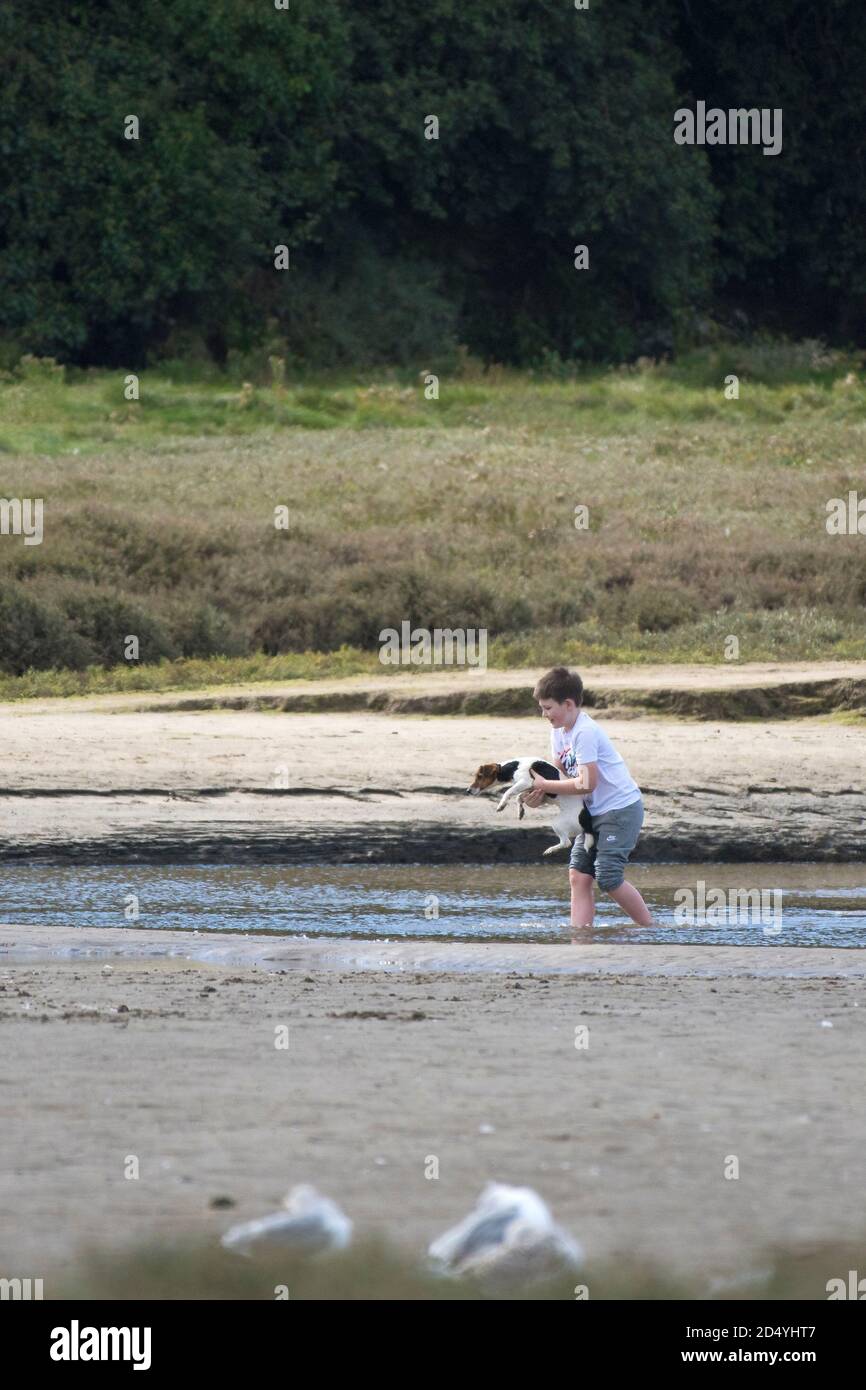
559	716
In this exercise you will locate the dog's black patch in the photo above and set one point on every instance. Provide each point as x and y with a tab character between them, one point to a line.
546	770
507	770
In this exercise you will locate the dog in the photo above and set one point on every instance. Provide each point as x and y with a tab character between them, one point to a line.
572	817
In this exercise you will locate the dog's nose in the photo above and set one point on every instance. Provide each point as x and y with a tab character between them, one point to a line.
471	791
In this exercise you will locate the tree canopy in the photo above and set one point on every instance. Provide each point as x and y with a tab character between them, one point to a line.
308	127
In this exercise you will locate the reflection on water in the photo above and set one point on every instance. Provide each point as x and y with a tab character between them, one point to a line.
816	904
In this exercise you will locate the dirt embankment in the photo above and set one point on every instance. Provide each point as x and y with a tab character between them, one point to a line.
720	693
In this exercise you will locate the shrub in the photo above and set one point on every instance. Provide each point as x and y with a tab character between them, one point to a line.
202	630
102	622
34	634
660	609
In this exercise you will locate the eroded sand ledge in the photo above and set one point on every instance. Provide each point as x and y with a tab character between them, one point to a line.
19	945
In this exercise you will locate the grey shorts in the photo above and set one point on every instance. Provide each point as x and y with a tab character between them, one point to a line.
616	834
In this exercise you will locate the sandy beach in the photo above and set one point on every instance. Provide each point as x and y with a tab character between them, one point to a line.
403	1050
171	1058
121	778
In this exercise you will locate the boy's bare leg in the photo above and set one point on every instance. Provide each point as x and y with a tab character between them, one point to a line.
582	898
630	900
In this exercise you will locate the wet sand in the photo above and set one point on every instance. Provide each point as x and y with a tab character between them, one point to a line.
579	955
397	1053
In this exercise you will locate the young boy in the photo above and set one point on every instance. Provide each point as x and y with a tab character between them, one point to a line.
593	769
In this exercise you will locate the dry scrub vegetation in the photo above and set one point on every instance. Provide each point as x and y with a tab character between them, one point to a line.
706	518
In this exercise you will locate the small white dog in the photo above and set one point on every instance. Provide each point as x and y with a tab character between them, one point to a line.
572	818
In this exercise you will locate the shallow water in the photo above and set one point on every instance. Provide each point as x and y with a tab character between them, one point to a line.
802	905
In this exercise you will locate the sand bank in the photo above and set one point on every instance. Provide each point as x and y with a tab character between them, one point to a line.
31	944
173	1060
99	781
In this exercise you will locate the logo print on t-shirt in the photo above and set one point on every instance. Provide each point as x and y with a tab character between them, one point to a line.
569	761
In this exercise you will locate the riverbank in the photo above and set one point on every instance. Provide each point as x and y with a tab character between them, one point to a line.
273	774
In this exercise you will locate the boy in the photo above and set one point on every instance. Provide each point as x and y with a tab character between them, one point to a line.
588	760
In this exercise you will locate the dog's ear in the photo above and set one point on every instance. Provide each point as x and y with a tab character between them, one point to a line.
486	776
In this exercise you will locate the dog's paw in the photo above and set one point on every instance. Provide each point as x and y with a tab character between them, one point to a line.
554	849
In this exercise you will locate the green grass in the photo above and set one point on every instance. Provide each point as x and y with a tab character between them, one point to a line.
706	517
48	409
773	635
190	674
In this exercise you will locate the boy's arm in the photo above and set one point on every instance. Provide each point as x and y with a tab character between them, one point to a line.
536	798
581	785
586	748
586	780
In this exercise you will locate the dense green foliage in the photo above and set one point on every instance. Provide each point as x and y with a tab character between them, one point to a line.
306	127
790	248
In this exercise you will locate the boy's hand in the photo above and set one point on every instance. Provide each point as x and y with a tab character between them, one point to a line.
540	788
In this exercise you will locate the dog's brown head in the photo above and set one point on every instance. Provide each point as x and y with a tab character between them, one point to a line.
485	777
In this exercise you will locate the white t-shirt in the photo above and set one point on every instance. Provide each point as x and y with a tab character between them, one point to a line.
586	743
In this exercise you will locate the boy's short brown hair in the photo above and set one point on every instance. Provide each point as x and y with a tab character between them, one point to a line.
560	685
